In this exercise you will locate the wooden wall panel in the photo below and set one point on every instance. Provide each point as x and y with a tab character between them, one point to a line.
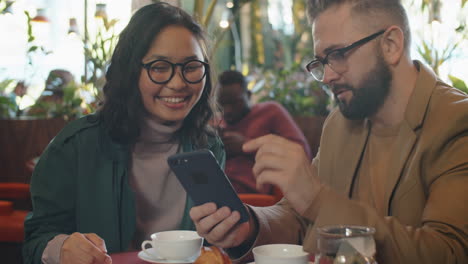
22	140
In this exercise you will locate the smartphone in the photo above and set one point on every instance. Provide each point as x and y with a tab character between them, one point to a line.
204	180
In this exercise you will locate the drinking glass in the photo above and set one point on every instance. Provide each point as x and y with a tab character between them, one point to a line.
345	244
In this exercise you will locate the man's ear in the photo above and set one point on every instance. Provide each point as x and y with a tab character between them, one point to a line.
393	44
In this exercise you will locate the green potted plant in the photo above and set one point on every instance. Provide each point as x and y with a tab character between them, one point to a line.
8	106
458	83
295	89
98	52
434	56
300	94
67	106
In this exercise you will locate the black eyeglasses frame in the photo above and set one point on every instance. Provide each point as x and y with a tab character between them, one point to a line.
147	66
343	50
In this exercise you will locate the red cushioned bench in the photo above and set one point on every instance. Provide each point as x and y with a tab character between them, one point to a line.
11	220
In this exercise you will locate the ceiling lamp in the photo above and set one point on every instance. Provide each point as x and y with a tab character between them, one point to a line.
100	10
73	29
40	16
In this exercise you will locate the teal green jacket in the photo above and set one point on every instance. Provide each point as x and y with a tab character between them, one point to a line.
80	184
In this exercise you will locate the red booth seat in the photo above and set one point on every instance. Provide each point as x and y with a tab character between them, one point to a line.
6	207
12	226
11	220
14	190
257	199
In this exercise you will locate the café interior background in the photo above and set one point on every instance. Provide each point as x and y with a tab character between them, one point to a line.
439	32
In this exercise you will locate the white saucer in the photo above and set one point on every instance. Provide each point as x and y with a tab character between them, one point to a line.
310	262
151	258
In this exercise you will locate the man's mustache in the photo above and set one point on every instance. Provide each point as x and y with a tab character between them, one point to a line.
341	88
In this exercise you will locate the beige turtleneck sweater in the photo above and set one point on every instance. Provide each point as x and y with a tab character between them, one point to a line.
160	198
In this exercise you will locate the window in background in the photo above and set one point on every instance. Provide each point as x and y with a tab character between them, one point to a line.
437	30
61	50
280	15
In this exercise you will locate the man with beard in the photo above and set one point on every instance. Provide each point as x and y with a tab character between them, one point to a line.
394	157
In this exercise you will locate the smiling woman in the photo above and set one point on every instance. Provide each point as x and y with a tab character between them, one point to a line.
103	185
168	93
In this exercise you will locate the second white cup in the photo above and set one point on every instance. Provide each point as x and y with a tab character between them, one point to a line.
280	254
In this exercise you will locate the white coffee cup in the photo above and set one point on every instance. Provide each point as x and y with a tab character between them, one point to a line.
174	245
280	254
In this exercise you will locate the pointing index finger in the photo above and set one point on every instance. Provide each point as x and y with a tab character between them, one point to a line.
254	144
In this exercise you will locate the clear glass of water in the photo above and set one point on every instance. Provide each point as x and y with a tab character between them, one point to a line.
345	244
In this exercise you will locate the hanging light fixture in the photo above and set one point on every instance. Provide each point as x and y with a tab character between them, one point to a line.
73	27
434	11
40	16
100	10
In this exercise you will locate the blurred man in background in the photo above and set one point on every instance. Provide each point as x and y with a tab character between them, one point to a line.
243	122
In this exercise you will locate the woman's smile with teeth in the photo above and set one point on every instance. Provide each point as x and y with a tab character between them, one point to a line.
172	99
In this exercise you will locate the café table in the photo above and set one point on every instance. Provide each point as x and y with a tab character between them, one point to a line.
130	257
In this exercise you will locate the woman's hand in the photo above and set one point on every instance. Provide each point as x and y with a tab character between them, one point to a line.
84	249
220	226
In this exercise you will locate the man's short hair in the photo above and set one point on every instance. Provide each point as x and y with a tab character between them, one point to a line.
372	8
232	77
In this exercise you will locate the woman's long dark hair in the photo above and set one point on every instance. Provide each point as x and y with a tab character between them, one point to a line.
122	112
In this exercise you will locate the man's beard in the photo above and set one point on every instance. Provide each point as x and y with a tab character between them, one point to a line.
367	99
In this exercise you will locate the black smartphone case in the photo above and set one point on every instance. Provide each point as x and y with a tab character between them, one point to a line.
204	180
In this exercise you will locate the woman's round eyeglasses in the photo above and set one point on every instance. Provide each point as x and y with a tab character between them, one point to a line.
162	71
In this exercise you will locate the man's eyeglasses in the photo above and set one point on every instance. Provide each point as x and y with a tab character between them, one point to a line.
336	58
162	71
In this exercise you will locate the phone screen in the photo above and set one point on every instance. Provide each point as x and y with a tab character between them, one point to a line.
204	180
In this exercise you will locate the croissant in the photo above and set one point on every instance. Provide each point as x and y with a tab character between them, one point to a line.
213	255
